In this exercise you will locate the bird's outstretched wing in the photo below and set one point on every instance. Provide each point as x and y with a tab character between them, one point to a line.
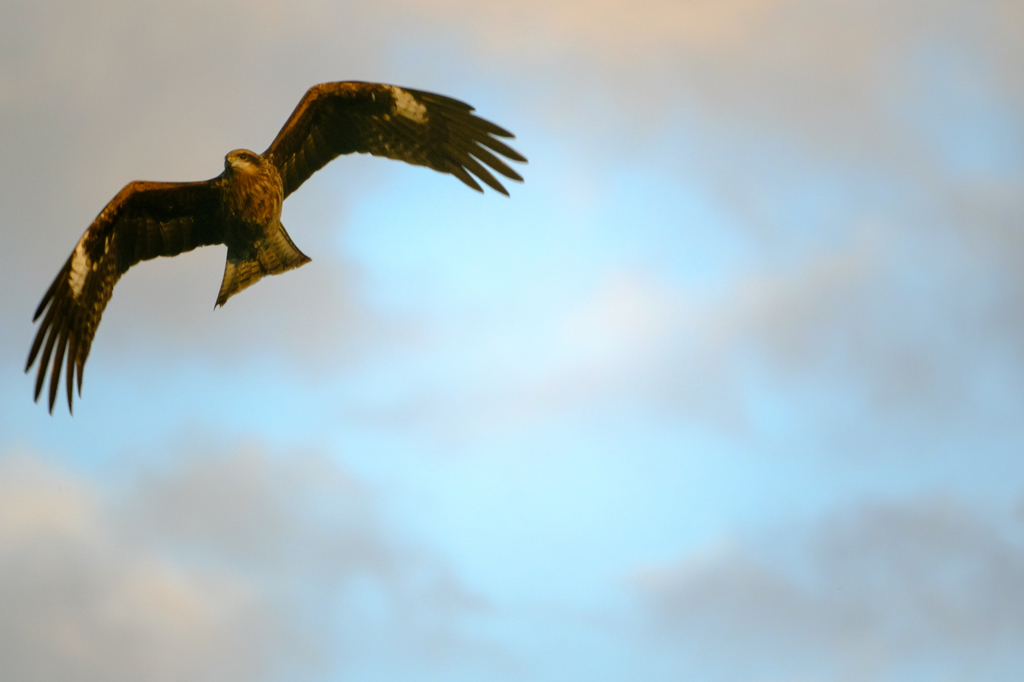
144	220
418	127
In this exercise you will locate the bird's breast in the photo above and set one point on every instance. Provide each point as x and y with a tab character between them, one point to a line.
254	195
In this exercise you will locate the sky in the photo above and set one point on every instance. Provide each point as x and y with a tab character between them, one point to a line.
730	389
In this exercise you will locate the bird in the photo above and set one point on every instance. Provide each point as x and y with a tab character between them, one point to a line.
241	207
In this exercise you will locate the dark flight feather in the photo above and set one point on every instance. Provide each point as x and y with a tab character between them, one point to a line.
421	128
144	220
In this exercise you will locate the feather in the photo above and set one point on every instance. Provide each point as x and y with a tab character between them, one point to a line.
496	163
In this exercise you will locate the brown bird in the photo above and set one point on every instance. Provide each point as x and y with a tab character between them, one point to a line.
241	207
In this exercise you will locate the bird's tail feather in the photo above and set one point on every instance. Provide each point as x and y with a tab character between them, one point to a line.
276	254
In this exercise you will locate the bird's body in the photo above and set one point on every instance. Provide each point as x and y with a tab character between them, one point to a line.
241	207
253	191
252	196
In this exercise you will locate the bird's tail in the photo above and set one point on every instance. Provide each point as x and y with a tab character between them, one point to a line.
274	255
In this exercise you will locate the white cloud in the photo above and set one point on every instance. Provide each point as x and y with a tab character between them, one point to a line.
892	591
684	350
214	568
81	601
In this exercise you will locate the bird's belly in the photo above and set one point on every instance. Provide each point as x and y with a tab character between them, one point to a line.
243	238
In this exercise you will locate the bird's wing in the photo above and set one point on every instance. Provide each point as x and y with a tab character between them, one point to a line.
418	127
144	220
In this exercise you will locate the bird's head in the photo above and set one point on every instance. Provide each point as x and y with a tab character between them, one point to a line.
242	161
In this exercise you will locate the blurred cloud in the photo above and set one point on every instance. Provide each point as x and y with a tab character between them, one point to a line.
924	589
82	600
812	67
844	334
215	567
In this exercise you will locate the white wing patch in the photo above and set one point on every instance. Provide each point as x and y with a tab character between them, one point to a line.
80	267
406	105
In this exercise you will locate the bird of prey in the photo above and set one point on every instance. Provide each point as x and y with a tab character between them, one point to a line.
241	207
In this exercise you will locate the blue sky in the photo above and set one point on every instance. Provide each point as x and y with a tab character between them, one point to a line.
728	389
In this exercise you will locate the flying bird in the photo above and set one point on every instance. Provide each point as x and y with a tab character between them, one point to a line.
241	207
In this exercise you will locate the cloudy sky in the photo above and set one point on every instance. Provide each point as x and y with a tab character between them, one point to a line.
731	389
